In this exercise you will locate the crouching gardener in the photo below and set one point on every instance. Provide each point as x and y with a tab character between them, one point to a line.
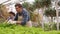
10	19
22	16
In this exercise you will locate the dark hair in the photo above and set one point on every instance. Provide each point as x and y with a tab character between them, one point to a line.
12	13
19	5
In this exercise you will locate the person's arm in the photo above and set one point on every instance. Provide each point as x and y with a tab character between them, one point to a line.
11	21
25	19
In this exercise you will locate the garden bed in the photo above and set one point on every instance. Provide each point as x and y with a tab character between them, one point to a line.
17	29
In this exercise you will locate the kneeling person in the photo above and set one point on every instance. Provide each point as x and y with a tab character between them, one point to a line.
21	13
11	18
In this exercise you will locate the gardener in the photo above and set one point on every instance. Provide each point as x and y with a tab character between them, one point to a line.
10	19
22	16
